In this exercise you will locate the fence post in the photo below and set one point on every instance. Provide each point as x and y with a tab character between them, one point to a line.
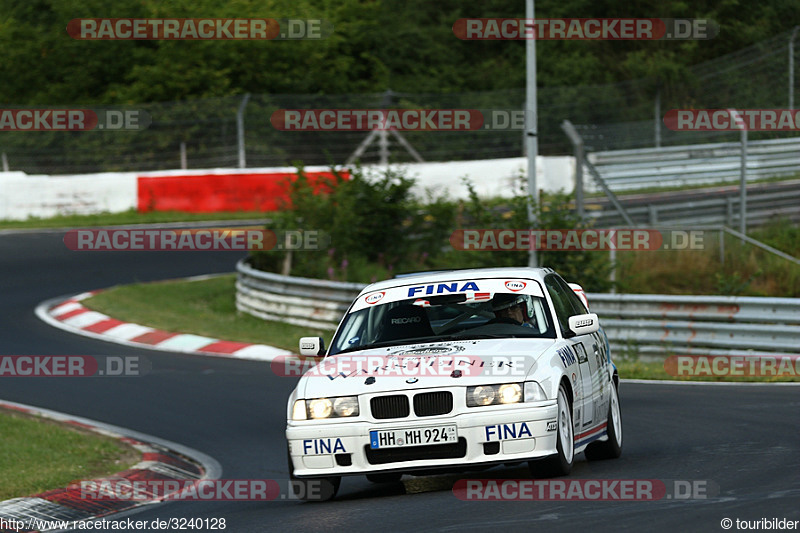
791	66
577	143
657	119
5	162
743	187
183	156
240	129
383	146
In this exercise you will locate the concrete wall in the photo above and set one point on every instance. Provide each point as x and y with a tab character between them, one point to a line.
23	196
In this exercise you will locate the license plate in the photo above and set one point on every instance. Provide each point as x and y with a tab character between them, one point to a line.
397	438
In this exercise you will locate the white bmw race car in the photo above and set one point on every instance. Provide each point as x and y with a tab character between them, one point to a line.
458	370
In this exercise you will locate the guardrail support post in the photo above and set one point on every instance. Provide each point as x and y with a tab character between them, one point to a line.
729	211
612	276
722	246
5	162
652	211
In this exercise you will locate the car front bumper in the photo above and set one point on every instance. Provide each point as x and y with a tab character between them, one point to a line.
485	436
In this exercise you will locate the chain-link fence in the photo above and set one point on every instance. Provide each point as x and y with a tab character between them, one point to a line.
236	131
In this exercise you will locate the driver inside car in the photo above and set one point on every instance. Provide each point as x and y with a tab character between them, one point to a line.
512	308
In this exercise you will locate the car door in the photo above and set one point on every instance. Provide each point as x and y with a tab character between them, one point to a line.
596	359
583	410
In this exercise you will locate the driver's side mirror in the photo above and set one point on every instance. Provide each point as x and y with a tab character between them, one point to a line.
584	324
314	346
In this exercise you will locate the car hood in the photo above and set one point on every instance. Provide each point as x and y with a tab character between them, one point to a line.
400	368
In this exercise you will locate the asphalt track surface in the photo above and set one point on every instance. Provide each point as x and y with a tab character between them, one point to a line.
743	439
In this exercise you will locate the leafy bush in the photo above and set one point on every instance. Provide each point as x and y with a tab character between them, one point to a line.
377	229
366	219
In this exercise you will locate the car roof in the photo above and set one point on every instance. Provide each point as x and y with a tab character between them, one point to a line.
459	275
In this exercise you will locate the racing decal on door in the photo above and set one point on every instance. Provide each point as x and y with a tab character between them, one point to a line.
601	409
567	358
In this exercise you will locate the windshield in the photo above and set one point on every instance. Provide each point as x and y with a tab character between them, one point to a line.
445	317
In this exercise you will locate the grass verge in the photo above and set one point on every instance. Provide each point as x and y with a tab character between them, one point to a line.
38	454
206	307
745	271
630	368
127	217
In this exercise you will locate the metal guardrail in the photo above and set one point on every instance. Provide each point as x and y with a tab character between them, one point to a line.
657	323
720	209
654	323
293	300
625	170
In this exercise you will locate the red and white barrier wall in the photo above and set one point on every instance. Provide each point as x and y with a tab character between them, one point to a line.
253	189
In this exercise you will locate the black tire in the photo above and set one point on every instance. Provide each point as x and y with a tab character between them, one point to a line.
388	477
318	489
611	448
559	464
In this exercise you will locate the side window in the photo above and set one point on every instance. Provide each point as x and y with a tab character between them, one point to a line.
574	300
560	301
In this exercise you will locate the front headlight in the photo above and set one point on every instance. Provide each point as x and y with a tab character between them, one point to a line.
346	406
494	394
321	408
510	393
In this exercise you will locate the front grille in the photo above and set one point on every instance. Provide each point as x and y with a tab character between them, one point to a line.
433	403
414	453
390	406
